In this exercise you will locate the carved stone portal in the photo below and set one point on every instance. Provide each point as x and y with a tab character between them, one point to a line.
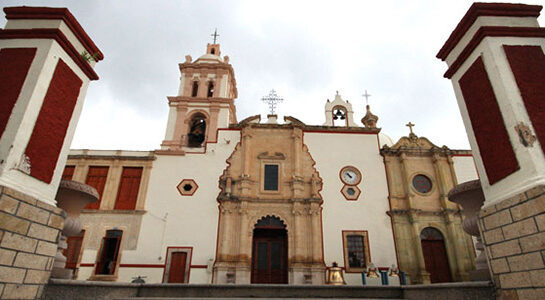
270	173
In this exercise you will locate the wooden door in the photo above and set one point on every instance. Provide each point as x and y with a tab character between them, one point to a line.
176	272
269	263
435	256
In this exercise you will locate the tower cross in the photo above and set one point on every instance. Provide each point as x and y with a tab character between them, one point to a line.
272	99
410	125
215	35
366	97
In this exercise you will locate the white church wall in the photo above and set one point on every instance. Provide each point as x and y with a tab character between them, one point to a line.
332	152
190	221
464	166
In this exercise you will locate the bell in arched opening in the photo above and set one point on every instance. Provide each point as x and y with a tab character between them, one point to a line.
197	131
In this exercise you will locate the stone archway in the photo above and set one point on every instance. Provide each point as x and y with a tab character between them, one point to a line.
435	255
269	251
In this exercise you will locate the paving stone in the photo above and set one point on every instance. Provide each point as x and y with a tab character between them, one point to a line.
33	213
30	261
10	223
519	229
43	232
18	242
529	261
8	204
37	276
20	291
505	249
533	242
498	219
11	274
46	248
6	257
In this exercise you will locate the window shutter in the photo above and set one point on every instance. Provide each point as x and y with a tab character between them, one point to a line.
127	193
96	177
68	172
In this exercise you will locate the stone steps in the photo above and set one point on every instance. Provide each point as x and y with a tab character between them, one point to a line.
92	290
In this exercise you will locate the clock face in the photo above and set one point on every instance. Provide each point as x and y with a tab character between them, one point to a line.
350	175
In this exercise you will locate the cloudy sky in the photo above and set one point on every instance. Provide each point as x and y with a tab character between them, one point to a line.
306	50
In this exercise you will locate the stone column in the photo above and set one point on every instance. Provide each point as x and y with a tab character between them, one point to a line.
496	64
46	64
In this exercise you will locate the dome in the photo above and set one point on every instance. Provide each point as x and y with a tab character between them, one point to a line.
209	58
383	139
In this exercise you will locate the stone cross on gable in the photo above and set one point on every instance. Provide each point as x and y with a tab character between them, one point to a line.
410	125
215	35
272	99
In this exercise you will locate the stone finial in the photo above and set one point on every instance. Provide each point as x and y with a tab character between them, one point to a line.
226	59
188	59
369	120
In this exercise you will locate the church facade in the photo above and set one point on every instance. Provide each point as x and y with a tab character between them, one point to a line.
268	201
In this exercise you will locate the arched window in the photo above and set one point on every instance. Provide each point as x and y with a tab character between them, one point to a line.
210	89
213	51
195	89
197	130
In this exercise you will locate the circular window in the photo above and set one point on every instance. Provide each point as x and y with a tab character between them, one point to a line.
422	183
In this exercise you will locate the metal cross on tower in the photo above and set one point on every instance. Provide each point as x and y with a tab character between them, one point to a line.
272	99
215	35
366	97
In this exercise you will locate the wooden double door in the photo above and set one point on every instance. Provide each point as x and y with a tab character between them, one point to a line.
270	256
435	255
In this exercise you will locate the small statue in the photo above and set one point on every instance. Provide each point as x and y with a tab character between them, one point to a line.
188	59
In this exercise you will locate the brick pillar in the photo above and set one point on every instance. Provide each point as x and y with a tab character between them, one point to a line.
496	63
46	64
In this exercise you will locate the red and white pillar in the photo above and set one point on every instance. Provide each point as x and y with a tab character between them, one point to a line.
46	63
496	60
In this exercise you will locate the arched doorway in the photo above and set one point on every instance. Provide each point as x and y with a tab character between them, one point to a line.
270	251
435	255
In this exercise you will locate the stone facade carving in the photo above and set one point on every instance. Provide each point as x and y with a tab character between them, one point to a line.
243	201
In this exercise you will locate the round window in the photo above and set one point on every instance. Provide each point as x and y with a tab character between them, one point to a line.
422	183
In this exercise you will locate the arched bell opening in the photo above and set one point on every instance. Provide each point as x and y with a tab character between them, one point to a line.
435	255
197	130
339	116
270	251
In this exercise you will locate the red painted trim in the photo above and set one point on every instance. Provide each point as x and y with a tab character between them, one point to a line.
485	9
87	265
141	265
495	31
198	266
59	37
166	258
37	13
16	63
468	155
344	132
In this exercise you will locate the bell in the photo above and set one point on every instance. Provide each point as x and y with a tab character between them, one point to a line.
335	275
394	271
372	272
335	118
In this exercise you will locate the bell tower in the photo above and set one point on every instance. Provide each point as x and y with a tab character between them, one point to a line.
205	102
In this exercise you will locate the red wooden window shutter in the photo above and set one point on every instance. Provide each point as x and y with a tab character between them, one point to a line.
73	250
128	188
96	177
68	172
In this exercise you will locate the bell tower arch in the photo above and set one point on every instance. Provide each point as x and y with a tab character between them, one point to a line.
339	113
205	102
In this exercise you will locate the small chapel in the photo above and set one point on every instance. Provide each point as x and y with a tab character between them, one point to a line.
269	200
